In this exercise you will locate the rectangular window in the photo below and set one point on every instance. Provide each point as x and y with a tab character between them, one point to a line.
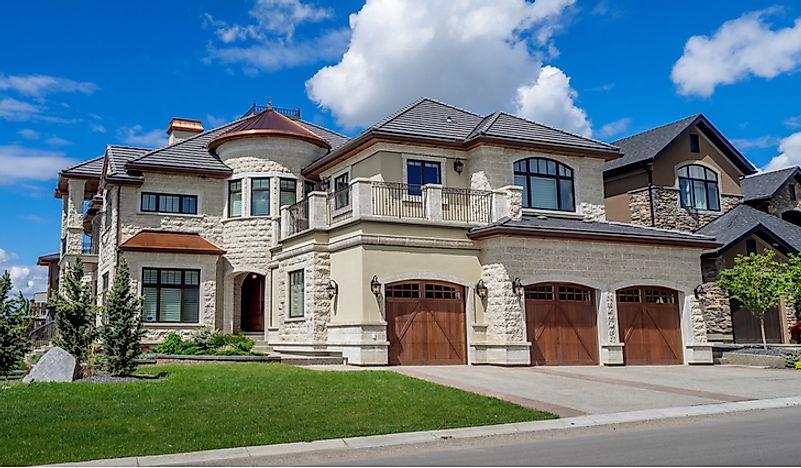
793	195
288	192
419	173
170	295
341	192
260	197
309	187
296	294
695	144
105	287
750	246
169	203
234	198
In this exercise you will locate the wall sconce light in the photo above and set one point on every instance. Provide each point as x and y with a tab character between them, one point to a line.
517	287
324	184
332	289
375	285
458	166
699	291
481	289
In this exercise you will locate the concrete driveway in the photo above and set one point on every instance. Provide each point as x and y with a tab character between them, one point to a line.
574	391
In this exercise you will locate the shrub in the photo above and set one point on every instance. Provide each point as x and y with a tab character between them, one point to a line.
239	342
209	342
792	360
207	338
174	344
122	329
14	326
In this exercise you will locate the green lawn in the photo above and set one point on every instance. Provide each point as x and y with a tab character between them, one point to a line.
228	405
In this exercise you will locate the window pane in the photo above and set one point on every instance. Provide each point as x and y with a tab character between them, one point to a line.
431	173
414	173
169	203
699	195
566	195
697	172
684	193
189	312
712	196
683	172
520	180
288	195
296	291
543	193
260	197
189	205
341	182
148	202
170	305
191	277
171	276
520	166
551	167
150	276
710	175
149	304
261	183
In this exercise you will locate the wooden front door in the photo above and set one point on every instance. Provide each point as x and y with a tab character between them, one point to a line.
746	328
425	323
650	328
253	303
561	324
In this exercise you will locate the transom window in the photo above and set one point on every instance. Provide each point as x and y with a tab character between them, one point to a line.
547	184
419	173
260	196
698	188
234	198
168	203
170	295
288	193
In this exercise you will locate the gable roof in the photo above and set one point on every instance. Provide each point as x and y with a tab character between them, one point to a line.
765	184
430	120
118	157
266	123
649	145
743	220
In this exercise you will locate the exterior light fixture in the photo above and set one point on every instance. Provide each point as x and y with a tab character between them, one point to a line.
332	289
481	289
375	285
458	166
699	291
325	183
517	287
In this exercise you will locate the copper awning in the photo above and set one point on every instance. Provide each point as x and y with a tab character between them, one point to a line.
170	242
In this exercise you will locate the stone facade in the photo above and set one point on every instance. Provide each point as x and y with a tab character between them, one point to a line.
668	213
781	202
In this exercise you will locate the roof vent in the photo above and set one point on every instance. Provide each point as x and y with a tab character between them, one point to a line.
449	119
181	129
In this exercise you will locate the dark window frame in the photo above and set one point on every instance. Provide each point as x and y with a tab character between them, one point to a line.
282	190
695	143
183	200
751	246
707	182
254	191
158	285
793	193
231	193
341	192
417	189
557	176
291	312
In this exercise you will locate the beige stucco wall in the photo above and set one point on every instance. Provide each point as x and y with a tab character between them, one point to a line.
679	154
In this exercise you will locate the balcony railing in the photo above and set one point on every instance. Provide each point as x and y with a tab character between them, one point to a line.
298	217
467	205
398	200
88	246
291	113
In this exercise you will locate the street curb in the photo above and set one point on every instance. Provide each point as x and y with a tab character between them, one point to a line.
387	440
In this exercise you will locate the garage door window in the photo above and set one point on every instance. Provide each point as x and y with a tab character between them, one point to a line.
405	291
629	295
438	291
657	296
540	293
568	293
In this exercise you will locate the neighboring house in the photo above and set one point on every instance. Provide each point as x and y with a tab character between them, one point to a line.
687	176
436	236
51	262
39	309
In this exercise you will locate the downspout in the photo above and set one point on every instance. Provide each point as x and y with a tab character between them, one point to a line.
649	169
117	221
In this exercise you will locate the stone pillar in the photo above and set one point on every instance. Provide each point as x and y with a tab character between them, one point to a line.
433	201
284	221
611	347
276	228
74	230
318	212
507	201
361	197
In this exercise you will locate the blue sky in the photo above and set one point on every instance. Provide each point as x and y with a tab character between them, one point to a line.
77	76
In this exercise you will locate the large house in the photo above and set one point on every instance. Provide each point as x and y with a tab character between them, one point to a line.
687	176
435	236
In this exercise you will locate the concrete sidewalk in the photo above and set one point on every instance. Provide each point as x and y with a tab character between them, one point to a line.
246	455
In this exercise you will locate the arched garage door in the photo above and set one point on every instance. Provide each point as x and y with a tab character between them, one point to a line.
649	325
561	324
425	323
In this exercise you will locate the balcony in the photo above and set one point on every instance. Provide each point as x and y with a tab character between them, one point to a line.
386	201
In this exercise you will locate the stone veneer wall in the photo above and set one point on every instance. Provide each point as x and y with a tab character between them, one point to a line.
668	214
311	330
782	203
715	302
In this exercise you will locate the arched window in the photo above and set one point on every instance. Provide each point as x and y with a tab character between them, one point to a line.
547	184
698	188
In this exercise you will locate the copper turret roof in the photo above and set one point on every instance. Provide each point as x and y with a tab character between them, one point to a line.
269	123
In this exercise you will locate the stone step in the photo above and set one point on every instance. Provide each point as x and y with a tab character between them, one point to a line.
262	348
296	360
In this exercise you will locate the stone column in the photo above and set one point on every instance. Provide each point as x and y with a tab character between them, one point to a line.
433	200
361	197
507	201
318	212
74	230
284	221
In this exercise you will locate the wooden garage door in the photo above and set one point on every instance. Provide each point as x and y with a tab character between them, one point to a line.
649	325
561	324
425	323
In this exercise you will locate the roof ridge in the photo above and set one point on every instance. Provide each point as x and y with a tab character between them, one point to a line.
485	123
693	117
417	102
559	130
130	147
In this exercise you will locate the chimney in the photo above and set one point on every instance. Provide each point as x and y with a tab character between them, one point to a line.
181	129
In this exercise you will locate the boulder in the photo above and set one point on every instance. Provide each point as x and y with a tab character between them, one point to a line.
56	365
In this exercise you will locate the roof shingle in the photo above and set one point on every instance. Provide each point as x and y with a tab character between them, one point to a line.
742	220
765	184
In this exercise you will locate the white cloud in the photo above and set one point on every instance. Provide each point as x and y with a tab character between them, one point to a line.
39	85
550	100
97	128
4	257
740	48
28	134
790	149
34	218
279	17
20	163
792	122
57	141
475	54
137	136
614	128
28	279
12	109
766	141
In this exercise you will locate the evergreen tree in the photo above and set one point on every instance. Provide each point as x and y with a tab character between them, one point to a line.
75	314
122	328
15	321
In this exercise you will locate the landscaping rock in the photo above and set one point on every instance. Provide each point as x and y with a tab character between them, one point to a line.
56	365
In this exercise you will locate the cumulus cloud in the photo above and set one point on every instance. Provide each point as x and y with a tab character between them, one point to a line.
740	48
614	128
39	85
20	163
136	135
790	149
483	56
27	279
